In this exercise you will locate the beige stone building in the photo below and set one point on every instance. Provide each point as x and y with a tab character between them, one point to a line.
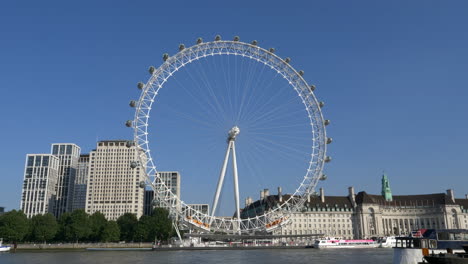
113	186
365	215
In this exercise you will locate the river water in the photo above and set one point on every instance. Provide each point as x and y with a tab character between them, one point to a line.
270	256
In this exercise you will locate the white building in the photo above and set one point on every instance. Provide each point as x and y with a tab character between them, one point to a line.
365	215
171	180
203	208
40	179
68	154
113	185
80	183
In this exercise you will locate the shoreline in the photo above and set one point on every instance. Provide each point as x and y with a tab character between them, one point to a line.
136	247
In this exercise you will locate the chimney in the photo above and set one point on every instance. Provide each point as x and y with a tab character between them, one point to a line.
352	196
266	193
308	198
450	195
262	195
280	195
247	201
322	195
466	196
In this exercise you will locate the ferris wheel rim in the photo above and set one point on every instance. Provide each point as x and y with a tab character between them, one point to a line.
267	57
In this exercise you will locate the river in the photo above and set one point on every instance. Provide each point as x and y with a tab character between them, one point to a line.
319	256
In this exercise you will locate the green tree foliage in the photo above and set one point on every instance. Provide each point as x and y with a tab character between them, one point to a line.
14	226
144	228
128	224
162	224
98	223
43	227
74	226
111	232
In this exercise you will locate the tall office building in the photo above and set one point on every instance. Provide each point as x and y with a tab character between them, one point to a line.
203	208
171	180
80	184
113	185
68	155
40	179
148	202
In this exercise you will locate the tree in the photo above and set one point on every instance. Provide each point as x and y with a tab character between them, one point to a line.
14	226
97	224
127	223
43	227
111	232
143	229
74	226
162	224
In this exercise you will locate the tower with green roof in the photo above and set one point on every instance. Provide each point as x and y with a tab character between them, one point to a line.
386	191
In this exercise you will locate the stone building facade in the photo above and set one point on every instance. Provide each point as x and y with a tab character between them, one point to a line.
113	186
365	215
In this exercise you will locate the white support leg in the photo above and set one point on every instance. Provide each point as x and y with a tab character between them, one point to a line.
236	184
220	181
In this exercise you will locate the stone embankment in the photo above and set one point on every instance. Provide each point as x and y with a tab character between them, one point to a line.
82	246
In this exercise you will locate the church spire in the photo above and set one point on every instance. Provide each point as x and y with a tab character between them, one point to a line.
386	191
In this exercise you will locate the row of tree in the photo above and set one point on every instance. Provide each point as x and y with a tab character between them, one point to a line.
78	226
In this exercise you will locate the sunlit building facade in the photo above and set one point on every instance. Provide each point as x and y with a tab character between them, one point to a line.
39	184
113	186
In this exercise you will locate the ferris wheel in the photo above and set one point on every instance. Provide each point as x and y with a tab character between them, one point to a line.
277	215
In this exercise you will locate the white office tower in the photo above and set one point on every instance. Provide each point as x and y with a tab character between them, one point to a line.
204	208
40	178
81	180
68	154
171	180
113	185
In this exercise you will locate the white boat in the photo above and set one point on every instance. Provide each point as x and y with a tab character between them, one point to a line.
3	248
387	242
345	243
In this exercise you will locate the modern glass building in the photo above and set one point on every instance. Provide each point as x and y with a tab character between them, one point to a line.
80	184
68	154
39	183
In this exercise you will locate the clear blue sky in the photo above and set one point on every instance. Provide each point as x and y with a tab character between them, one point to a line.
393	75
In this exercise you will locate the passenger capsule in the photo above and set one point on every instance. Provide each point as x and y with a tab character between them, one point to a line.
272	50
217	38
254	42
301	73
321	104
329	140
142	184
236	38
326	122
327	159
133	164
128	123
151	69
132	103
181	47
287	60
129	144
140	85
199	40
165	56
323	177
312	87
